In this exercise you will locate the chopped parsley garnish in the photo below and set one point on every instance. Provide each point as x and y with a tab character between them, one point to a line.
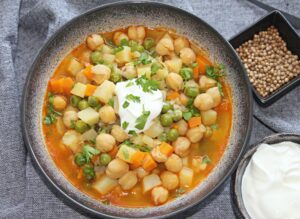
194	65
220	87
125	125
143	148
125	104
88	152
143	59
155	67
132	132
140	122
124	42
111	102
187	115
186	73
130	83
118	49
216	73
125	153
133	98
50	118
148	85
205	160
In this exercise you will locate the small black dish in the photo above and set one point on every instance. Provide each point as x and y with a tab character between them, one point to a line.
288	34
236	180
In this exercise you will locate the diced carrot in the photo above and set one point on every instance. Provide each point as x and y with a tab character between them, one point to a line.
194	122
80	174
137	159
149	163
113	152
196	73
90	89
55	86
67	84
202	62
166	149
172	95
87	72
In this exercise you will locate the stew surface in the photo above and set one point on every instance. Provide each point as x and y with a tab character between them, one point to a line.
137	117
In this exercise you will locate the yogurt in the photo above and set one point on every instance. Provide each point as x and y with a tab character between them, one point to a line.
130	109
271	182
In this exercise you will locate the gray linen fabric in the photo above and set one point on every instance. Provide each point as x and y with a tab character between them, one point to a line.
24	28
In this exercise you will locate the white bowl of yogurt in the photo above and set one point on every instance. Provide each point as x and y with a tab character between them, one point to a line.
266	184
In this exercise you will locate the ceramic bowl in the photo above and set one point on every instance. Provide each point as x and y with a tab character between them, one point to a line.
108	18
236	182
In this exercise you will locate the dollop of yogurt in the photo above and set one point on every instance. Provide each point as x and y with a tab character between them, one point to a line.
134	102
271	182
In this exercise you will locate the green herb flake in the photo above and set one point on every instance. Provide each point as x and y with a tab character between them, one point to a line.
132	132
186	73
133	98
142	148
147	84
125	104
142	119
220	87
130	83
118	49
111	102
214	126
155	67
125	153
88	152
194	65
187	115
51	115
215	72
206	160
125	125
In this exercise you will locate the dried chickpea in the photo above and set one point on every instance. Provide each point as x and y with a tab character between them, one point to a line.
69	118
187	56
118	37
174	163
105	142
206	83
119	134
180	43
208	117
182	127
116	168
214	92
107	114
174	81
169	180
158	156
196	134
181	146
159	195
137	33
59	102
93	41
165	45
204	102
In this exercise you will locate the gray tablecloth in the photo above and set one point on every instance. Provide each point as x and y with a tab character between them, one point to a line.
24	28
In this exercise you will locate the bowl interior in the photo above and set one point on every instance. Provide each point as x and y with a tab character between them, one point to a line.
107	18
236	185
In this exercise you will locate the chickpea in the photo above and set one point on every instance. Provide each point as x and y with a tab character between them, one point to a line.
187	56
183	99
158	156
196	134
182	146
128	181
215	94
119	134
169	180
141	172
101	73
105	142
204	102
182	127
116	168
208	133
81	78
209	117
159	195
174	163
59	103
165	46
107	114
129	71
93	41
118	36
137	33
174	64
206	83
174	81
69	118
180	43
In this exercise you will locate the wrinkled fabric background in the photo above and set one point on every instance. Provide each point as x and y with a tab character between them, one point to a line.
26	25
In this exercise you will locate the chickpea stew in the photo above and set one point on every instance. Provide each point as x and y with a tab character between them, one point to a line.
137	117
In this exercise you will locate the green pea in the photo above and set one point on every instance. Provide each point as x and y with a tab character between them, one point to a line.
83	104
140	48
79	159
96	57
135	46
177	115
115	77
166	119
163	137
105	159
93	101
155	67
81	126
88	172
186	73
191	91
74	100
172	135
166	107
149	43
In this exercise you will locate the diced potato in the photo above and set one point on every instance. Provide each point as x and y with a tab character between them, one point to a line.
155	130
186	176
105	184
106	49
72	140
174	65
128	181
209	117
101	73
60	127
137	139
124	55
89	135
148	141
89	116
105	91
185	161
144	70
74	67
150	181
79	89
126	153
108	58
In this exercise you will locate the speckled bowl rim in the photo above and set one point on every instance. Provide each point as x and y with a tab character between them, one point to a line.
236	181
168	7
